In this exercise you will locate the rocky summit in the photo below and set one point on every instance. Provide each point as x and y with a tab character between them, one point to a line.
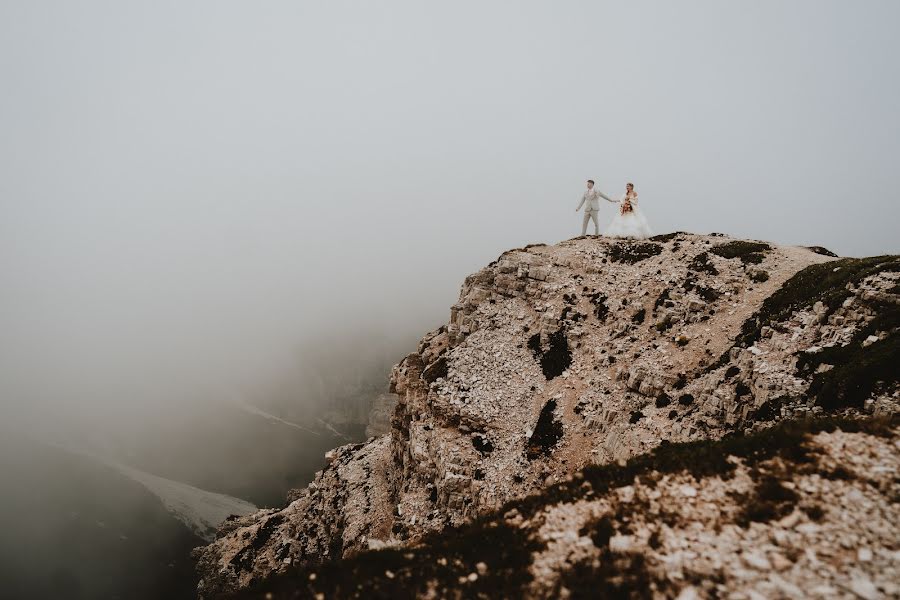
688	416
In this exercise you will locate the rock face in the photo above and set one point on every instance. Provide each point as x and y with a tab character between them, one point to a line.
380	415
591	352
802	510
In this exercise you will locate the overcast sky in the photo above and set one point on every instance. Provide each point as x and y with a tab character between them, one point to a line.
190	190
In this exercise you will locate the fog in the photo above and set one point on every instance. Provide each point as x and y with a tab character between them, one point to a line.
198	197
214	211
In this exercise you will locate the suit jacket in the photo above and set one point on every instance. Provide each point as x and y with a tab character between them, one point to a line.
591	199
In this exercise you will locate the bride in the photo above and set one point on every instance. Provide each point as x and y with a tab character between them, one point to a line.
630	222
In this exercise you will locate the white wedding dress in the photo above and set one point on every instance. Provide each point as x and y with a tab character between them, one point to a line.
630	224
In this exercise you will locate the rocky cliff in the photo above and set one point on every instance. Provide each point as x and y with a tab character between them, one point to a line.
570	414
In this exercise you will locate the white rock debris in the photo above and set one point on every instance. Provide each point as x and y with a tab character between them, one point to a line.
590	352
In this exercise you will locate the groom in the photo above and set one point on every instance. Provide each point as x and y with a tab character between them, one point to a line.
591	200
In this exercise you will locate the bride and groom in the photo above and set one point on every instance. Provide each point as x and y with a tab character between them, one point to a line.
629	222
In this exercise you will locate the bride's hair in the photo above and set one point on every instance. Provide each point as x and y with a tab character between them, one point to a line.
630	187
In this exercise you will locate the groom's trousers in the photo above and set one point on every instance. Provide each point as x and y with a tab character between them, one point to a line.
588	215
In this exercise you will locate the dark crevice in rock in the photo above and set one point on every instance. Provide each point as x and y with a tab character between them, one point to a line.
556	358
686	399
601	310
662	298
435	370
770	409
569	314
547	432
482	444
244	559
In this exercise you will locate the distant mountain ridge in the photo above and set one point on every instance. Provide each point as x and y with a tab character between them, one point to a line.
201	511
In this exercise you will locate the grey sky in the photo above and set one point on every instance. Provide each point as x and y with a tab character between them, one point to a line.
192	190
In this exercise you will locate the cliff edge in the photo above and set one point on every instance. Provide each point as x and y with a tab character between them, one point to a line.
635	413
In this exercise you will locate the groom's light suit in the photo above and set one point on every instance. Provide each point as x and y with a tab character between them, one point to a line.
591	200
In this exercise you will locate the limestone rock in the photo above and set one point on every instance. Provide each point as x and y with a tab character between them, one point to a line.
557	326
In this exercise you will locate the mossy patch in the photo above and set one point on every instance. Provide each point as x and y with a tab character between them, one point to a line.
758	275
702	264
622	575
858	367
821	250
442	563
707	293
705	458
825	282
856	372
748	252
601	310
854	380
435	567
633	252
667	237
